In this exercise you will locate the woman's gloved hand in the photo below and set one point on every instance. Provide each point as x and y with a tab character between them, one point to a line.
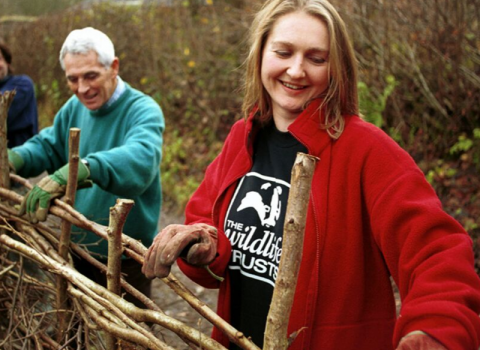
197	244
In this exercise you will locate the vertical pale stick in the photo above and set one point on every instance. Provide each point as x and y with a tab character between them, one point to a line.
65	227
118	216
5	101
276	337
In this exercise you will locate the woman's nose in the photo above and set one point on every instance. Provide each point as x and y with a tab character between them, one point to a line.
296	69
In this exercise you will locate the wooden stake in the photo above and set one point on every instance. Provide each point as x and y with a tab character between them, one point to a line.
5	101
276	337
118	216
66	227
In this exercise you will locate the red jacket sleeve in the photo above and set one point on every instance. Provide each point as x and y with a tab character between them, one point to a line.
427	251
204	206
200	210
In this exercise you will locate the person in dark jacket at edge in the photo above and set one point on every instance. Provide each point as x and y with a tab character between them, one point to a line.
371	214
22	120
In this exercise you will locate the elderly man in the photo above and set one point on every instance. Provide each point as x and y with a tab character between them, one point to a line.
120	150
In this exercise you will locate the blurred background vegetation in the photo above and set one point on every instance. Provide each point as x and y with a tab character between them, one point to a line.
420	76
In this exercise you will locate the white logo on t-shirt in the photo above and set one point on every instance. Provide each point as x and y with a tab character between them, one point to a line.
254	226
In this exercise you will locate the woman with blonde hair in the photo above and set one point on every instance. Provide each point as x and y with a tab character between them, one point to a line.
371	213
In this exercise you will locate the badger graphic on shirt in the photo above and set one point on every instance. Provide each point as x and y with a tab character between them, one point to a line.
254	226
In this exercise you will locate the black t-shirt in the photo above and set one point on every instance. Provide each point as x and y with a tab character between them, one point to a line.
254	226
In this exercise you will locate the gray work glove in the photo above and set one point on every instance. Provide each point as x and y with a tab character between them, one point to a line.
37	201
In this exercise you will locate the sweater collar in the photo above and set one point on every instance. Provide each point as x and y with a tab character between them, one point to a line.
119	90
105	109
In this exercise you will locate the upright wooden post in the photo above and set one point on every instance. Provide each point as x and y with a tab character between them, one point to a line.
5	101
276	337
118	216
65	227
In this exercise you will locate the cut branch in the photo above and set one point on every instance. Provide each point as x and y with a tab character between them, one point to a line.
5	101
110	301
65	229
118	216
276	337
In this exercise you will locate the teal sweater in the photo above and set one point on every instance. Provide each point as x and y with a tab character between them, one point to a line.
123	145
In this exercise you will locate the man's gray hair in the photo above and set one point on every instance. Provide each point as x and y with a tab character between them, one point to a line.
82	41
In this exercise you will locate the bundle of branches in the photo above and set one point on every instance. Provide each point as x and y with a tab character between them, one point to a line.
95	308
28	295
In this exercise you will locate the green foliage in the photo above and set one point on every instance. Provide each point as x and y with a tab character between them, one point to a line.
372	105
468	147
463	144
34	8
51	93
174	166
441	170
183	166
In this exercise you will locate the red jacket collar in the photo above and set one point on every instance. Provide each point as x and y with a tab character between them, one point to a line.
307	128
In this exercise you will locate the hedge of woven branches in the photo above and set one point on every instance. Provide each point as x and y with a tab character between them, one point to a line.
50	305
31	267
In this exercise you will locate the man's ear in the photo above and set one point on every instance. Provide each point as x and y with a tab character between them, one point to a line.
115	65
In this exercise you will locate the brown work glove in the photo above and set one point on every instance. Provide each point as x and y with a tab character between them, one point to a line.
197	244
419	341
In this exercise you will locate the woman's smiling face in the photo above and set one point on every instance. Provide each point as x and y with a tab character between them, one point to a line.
294	66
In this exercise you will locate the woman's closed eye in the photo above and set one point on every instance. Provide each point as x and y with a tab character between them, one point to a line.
283	53
318	59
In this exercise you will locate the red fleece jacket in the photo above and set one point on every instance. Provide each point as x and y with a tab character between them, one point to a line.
371	215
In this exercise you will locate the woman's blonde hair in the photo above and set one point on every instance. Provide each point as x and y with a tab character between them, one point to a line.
340	98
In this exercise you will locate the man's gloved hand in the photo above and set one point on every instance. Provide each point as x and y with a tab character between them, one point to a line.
37	201
15	161
419	341
197	244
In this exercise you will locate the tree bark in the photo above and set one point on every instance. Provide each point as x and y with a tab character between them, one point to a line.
118	216
276	337
5	101
66	227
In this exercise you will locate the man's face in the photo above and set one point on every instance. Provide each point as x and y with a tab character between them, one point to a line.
3	67
89	80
